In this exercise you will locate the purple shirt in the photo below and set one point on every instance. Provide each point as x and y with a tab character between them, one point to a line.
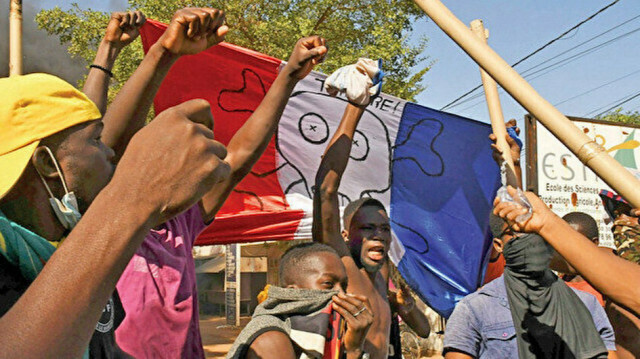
158	293
481	324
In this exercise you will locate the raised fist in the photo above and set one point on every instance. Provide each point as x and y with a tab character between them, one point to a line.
193	30
171	163
307	53
124	27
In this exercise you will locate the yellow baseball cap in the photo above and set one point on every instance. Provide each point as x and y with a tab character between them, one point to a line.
33	107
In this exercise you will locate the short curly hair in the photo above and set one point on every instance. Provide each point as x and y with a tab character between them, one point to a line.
293	262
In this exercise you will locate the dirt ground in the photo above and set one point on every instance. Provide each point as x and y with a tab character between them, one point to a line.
217	337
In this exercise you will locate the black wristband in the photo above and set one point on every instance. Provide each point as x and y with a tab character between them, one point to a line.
106	70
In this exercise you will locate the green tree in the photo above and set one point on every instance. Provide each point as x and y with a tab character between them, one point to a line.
617	115
353	29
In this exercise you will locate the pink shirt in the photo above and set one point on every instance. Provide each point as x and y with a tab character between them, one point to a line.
158	293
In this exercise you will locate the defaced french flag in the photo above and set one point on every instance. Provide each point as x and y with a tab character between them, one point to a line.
433	170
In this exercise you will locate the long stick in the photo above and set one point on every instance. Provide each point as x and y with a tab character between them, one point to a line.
495	110
15	38
587	150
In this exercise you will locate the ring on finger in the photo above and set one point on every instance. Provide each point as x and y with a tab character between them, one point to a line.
359	311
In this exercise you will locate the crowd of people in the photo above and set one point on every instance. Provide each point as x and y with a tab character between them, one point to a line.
98	219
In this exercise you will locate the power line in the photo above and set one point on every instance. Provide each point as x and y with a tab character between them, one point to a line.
596	88
582	53
580	44
618	104
537	50
623	98
562	62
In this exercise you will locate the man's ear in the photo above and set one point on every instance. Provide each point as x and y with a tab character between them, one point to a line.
43	163
345	235
498	245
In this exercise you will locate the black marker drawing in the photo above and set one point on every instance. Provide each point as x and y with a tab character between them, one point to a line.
303	134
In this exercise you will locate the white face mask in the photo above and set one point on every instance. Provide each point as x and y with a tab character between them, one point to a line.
67	209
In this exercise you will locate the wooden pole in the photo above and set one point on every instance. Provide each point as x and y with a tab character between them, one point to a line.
493	99
15	38
495	110
587	150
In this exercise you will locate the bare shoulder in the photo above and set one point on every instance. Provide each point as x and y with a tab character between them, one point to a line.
271	344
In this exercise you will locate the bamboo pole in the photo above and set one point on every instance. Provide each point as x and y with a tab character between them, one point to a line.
587	150
15	38
495	110
493	99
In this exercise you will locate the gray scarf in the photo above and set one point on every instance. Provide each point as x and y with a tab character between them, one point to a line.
302	314
550	320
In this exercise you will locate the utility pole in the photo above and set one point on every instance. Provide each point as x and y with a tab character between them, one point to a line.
15	38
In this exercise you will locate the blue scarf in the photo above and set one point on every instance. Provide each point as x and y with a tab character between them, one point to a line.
23	248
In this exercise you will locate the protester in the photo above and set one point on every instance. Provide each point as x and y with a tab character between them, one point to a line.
57	182
528	312
121	30
587	226
364	242
626	235
298	318
598	267
626	230
158	287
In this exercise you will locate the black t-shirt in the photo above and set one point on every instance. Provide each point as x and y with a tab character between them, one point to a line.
102	344
395	345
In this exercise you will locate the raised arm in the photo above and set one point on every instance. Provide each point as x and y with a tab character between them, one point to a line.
326	211
121	31
248	144
403	303
190	31
612	276
56	316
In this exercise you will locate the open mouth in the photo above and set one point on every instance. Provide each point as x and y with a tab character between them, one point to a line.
376	253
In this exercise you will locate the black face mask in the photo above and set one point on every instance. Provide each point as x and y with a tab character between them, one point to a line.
528	254
550	320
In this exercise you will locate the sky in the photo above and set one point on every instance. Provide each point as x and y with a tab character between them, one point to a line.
517	28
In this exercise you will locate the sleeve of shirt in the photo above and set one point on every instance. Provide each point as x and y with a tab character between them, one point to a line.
195	223
602	323
462	333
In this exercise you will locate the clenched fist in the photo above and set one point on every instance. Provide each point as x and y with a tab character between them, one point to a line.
193	30
124	27
169	165
307	53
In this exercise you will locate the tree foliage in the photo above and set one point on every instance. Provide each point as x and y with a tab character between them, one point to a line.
353	29
621	116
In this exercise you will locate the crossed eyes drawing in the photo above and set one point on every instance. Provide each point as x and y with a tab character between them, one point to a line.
305	129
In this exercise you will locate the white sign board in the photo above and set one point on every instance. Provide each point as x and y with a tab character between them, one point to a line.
566	185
